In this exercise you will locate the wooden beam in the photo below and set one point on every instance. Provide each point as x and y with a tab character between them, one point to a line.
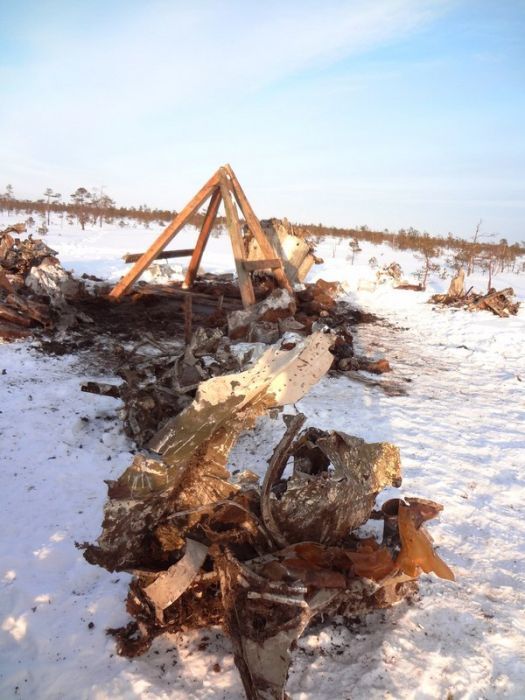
188	318
183	253
256	229
234	227
207	226
251	265
165	237
164	290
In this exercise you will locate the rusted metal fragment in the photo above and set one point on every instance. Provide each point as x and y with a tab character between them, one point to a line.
417	551
101	388
171	584
324	505
11	331
32	309
265	611
5	283
263	623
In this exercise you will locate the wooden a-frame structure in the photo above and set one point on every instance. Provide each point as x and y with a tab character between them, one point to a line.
222	186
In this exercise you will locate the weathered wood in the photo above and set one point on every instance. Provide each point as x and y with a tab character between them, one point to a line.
32	309
234	227
508	291
13	316
229	303
256	229
252	265
183	253
207	226
10	331
493	306
166	236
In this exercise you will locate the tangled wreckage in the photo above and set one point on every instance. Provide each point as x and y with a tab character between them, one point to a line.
263	559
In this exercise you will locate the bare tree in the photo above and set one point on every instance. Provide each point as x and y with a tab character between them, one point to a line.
81	199
426	256
49	194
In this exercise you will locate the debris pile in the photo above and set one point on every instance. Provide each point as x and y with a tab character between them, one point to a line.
204	545
34	287
502	303
160	378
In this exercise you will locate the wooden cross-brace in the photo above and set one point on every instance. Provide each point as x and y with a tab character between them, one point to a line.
220	187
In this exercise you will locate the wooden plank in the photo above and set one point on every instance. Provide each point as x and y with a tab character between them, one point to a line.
207	226
187	319
251	265
183	253
10	331
13	316
255	227
234	227
229	303
165	237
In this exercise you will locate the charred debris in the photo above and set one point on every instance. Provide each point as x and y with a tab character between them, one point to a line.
501	303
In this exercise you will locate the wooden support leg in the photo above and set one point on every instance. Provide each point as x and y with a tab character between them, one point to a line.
165	237
234	227
207	226
187	319
255	227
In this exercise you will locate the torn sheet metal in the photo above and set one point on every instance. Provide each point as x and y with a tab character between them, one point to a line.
417	551
295	252
171	584
334	484
192	449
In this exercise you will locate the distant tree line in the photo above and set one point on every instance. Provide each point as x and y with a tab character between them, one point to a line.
83	206
95	207
471	254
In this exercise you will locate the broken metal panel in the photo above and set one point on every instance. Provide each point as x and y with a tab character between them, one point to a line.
279	377
324	506
171	584
293	251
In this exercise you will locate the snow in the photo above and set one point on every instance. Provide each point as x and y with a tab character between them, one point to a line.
460	430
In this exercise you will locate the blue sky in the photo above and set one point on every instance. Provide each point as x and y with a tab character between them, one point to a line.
391	113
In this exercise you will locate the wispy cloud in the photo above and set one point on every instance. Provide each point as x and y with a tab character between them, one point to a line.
341	110
87	87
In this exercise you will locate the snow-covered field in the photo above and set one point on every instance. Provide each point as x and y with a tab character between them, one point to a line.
462	437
